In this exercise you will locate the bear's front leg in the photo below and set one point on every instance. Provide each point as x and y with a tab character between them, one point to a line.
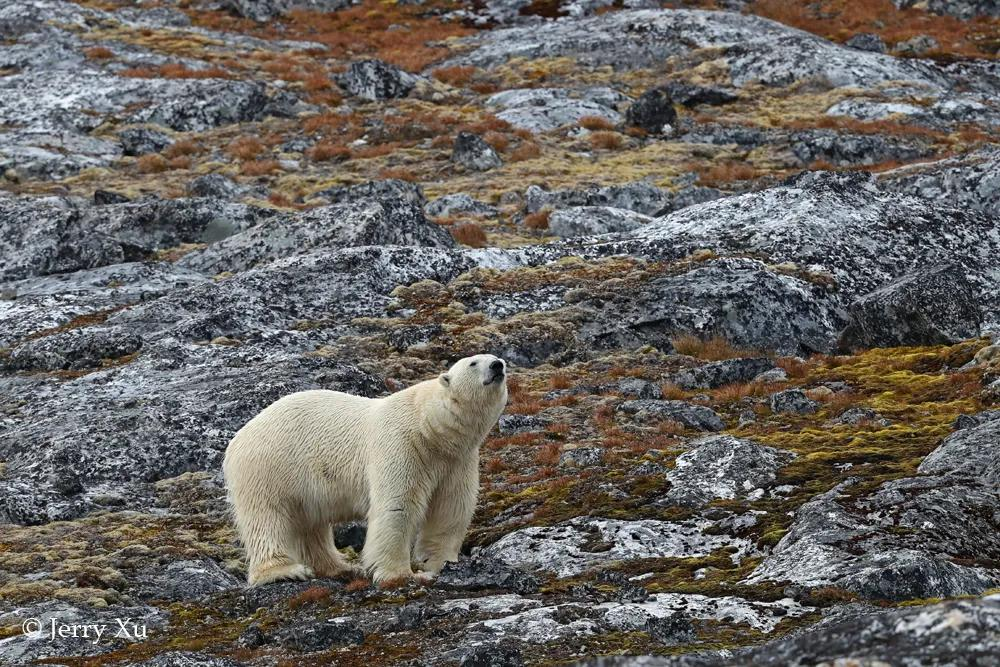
398	505
448	516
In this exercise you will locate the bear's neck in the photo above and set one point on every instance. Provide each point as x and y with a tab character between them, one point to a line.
454	428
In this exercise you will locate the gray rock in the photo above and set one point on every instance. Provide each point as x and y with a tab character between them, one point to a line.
492	655
459	203
866	41
581	457
639	196
372	222
587	220
483	572
377	80
556	113
137	141
214	185
718	373
106	197
186	580
932	306
264	10
586	542
188	659
653	112
963	9
723	467
970	452
320	635
472	152
969	182
917	46
671	630
969	421
792	401
691	95
639	388
74	349
389	188
858	416
511	424
692	416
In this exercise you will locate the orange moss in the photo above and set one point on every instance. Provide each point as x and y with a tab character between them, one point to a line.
605	140
469	234
528	150
259	167
537	220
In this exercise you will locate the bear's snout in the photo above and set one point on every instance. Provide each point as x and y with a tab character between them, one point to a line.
496	371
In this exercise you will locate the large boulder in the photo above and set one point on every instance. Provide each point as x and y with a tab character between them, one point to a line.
472	152
653	111
932	306
377	80
588	220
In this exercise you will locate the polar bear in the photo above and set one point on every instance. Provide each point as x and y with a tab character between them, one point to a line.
408	463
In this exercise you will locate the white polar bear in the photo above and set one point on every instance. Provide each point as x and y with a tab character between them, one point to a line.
409	463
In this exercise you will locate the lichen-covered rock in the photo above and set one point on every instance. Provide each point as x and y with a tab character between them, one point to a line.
385	189
264	10
970	181
721	466
932	306
377	80
718	373
866	41
73	349
137	141
792	401
583	543
588	220
371	222
692	416
472	152
639	196
456	204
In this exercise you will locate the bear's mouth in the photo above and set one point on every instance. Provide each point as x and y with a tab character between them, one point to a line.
497	376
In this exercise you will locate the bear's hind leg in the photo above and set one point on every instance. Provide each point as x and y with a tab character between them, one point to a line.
270	542
321	553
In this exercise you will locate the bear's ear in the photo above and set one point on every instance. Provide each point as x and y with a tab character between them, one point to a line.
444	379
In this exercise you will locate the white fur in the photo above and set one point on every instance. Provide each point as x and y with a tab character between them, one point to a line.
408	463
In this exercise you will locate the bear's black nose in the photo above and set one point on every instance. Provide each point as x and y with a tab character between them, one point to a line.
497	366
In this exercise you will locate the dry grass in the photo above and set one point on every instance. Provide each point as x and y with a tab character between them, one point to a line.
537	220
560	381
400	173
259	167
99	53
527	150
500	142
308	596
672	392
548	455
355	585
326	151
151	164
595	123
721	173
184	147
245	148
402	34
608	141
469	234
454	76
714	348
176	71
838	20
854	126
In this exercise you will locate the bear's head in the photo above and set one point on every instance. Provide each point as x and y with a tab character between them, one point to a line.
481	379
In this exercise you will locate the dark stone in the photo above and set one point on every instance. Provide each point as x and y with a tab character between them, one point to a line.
213	185
492	655
138	141
389	188
691	95
350	534
675	628
105	197
510	424
652	111
718	373
472	152
866	41
933	306
253	637
482	572
639	388
320	635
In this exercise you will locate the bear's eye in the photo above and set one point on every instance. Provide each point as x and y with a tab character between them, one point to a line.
473	363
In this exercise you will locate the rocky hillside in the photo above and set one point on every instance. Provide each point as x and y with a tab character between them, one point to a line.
743	257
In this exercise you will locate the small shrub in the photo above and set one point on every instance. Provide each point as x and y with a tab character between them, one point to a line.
526	151
454	76
179	162
401	173
309	595
326	151
151	164
595	123
537	220
715	348
259	167
548	455
99	53
560	381
499	142
182	148
469	234
245	148
355	585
